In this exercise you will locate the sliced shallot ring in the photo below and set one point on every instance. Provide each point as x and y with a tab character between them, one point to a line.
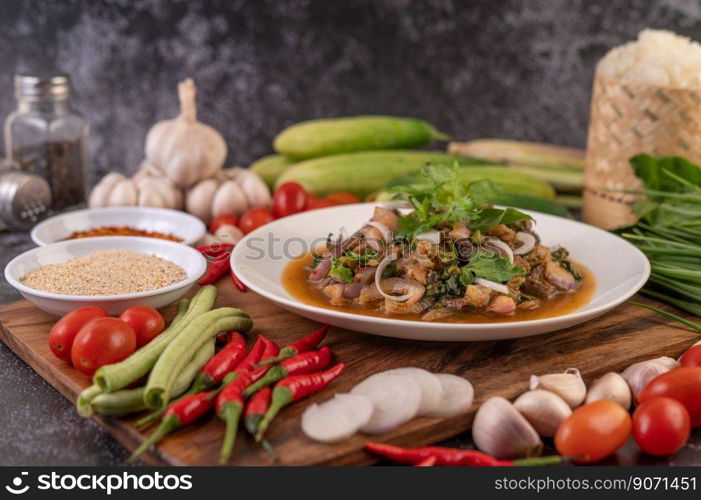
386	233
431	387
336	419
493	285
395	400
502	246
527	243
458	395
378	279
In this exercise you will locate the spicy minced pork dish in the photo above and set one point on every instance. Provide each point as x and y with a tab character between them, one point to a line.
439	251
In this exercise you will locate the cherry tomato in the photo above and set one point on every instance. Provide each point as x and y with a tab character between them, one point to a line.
290	198
147	323
342	198
64	331
682	384
593	431
320	203
226	219
102	341
255	218
661	426
692	357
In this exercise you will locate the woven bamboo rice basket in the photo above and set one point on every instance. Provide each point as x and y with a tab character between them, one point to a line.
628	119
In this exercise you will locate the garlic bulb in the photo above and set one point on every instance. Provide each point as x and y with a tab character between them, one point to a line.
500	430
231	191
610	387
666	361
169	193
638	375
255	188
229	199
183	149
143	190
568	385
100	195
544	410
123	194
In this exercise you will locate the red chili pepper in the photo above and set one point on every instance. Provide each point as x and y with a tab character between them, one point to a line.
250	361
306	362
219	365
271	349
223	362
294	388
426	462
214	249
305	344
256	408
452	456
237	282
215	270
179	414
230	406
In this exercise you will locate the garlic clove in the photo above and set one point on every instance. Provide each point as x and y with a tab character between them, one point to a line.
229	199
256	190
227	233
99	196
611	387
500	430
544	410
568	385
199	199
666	361
124	194
149	197
638	375
170	194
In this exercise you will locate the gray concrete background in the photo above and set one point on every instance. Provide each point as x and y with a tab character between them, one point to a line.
517	69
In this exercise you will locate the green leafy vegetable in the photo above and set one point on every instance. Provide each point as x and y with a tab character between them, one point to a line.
446	199
340	272
490	267
669	230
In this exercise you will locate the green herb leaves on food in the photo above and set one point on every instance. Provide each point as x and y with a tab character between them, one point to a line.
446	199
340	272
490	267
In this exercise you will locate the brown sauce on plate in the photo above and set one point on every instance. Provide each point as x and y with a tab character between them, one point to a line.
294	280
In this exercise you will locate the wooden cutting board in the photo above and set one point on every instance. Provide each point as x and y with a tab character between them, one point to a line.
612	342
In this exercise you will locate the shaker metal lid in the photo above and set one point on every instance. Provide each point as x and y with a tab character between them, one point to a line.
24	198
42	85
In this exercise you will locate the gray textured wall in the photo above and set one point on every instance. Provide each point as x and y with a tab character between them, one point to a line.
519	69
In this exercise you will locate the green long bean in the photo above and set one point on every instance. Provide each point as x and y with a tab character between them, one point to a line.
162	377
113	377
128	401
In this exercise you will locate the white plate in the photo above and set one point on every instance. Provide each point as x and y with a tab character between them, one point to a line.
192	262
620	270
163	220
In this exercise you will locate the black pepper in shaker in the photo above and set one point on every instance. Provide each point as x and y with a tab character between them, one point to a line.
46	137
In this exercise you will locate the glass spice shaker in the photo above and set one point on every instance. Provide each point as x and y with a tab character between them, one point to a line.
47	138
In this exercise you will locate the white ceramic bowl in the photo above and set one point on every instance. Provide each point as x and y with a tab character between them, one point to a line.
192	262
163	220
620	270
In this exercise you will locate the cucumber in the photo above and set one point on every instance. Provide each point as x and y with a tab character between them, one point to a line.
270	167
511	181
563	180
363	173
315	138
528	202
